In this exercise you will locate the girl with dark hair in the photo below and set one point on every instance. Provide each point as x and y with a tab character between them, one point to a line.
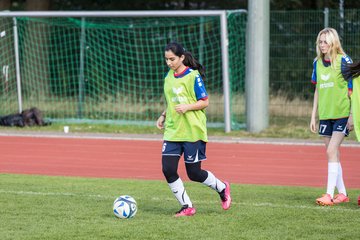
184	121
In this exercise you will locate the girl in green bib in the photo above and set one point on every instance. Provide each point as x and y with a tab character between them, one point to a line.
353	71
332	103
184	124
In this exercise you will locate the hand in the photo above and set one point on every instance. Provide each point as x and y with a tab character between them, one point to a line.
182	108
313	127
350	123
160	122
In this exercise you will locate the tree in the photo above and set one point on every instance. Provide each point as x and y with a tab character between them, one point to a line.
117	5
5	4
36	5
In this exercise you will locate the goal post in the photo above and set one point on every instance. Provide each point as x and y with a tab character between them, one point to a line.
108	65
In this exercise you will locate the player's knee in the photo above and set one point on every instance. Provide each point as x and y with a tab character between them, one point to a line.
167	171
194	177
197	175
170	176
169	168
331	152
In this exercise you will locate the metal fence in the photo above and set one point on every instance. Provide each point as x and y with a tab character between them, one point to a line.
109	66
292	51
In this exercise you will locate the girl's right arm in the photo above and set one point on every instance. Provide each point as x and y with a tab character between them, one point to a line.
161	120
313	127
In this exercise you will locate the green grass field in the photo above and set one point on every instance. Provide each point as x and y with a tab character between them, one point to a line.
42	207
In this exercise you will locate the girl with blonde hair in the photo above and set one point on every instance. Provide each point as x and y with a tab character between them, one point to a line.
332	103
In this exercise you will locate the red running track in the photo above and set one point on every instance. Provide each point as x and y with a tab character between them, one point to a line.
270	164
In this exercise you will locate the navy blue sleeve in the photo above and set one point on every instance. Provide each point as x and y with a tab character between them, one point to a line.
313	77
345	60
199	88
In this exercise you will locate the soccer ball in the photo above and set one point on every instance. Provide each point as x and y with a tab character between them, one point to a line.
125	207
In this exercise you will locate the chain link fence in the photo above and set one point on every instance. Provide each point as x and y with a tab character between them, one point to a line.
292	52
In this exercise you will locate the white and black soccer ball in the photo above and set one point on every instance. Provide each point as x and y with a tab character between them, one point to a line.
125	207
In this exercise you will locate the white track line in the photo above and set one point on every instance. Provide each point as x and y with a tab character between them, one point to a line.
158	137
247	204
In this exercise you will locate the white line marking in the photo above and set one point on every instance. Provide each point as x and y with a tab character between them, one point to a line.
156	199
158	137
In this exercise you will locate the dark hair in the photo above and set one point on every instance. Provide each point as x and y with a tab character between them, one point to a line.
352	70
189	60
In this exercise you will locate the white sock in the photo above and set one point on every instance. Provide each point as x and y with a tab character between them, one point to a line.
333	169
178	190
340	185
214	183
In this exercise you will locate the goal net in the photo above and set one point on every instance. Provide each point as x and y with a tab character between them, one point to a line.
111	69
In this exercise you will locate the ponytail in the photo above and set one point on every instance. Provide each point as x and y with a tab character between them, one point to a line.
191	62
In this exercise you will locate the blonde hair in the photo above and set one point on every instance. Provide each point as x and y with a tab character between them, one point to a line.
333	40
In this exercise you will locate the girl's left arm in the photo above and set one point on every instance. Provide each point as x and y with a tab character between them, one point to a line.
350	123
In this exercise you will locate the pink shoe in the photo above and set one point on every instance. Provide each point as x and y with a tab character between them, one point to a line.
325	200
185	211
341	198
225	197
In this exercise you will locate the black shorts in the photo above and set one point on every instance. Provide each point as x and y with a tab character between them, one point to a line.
193	151
327	127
